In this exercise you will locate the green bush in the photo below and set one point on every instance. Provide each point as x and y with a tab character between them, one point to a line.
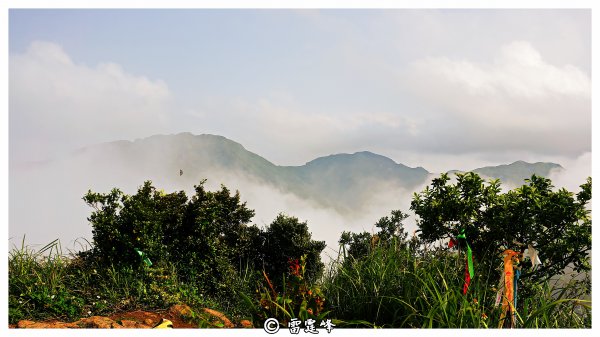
287	239
555	222
205	239
402	288
152	249
198	236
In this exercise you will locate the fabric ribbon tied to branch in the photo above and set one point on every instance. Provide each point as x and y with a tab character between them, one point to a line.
511	260
144	257
469	270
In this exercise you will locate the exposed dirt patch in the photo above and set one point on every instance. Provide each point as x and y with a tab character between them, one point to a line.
180	315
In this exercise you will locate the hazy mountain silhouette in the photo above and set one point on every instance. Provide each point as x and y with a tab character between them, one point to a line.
342	181
337	192
515	174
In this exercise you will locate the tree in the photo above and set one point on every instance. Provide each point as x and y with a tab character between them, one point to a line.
205	240
122	223
391	231
206	237
287	239
391	227
555	222
200	236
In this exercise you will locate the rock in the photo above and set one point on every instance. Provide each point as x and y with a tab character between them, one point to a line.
136	325
181	310
25	324
99	322
226	322
246	324
181	315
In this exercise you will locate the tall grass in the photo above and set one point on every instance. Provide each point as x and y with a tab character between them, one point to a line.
47	284
393	286
562	304
398	288
38	284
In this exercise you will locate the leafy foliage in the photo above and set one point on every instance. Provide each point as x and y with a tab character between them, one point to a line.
287	239
556	223
391	229
198	236
297	299
206	238
202	248
395	286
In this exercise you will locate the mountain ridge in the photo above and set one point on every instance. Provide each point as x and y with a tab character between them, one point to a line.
356	187
343	181
342	156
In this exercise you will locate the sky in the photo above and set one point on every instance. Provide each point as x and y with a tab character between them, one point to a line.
440	88
443	89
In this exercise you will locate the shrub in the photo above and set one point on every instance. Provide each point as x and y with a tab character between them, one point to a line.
198	236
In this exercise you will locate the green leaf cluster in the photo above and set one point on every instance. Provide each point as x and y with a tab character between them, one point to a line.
207	238
556	222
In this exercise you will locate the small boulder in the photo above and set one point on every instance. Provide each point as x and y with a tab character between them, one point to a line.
220	316
26	324
99	322
246	324
127	324
181	310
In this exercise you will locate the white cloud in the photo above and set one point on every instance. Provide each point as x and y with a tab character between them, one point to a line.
575	173
477	103
57	104
287	132
519	71
517	102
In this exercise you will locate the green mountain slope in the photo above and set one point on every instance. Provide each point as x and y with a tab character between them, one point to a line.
345	182
517	172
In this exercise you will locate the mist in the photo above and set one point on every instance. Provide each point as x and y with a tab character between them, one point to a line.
45	198
331	82
327	224
575	172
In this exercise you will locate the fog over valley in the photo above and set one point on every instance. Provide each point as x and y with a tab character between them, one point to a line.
336	193
334	116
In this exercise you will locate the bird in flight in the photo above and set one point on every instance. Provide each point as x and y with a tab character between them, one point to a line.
180	172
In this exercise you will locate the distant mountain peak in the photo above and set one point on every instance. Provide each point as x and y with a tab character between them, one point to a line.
358	158
522	163
352	156
188	135
344	181
516	172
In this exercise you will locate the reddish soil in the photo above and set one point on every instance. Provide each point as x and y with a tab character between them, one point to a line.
180	315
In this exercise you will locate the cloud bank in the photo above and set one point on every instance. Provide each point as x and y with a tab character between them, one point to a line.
517	102
438	89
56	104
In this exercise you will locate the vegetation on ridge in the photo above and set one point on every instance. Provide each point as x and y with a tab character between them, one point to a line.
154	249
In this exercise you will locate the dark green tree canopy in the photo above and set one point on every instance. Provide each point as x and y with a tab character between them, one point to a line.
555	222
200	236
207	237
391	231
286	239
